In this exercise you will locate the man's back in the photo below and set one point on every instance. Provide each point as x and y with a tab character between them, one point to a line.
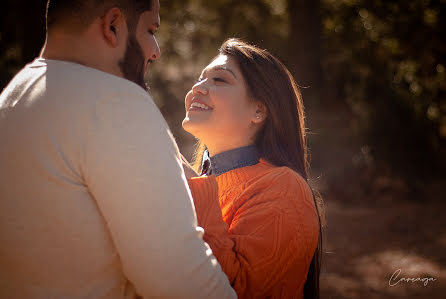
87	181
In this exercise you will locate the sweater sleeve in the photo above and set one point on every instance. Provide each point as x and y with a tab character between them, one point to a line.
275	230
133	170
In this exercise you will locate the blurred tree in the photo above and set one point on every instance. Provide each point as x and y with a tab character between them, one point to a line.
386	60
382	60
22	34
305	46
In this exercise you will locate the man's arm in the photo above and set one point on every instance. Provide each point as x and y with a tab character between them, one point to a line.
133	170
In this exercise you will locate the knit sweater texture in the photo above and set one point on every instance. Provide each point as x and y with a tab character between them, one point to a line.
262	225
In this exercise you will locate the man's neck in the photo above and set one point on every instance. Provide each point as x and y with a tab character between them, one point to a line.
60	46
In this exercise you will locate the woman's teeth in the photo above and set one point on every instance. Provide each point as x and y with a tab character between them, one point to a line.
199	105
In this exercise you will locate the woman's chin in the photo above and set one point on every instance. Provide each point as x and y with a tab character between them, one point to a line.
189	125
194	127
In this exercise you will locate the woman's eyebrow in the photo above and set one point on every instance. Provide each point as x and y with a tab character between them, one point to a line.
223	68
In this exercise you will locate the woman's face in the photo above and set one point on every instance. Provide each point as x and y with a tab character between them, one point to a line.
218	109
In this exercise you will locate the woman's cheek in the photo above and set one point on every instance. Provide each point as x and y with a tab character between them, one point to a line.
188	99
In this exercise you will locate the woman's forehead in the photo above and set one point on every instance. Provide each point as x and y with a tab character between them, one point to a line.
222	62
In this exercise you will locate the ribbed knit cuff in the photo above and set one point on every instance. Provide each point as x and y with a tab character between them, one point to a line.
205	194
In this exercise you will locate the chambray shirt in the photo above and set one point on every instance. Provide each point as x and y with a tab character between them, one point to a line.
229	160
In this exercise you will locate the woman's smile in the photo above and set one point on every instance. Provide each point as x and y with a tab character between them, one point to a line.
198	105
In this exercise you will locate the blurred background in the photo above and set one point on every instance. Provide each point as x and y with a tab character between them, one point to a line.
373	82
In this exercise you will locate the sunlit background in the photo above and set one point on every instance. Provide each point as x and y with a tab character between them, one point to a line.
373	81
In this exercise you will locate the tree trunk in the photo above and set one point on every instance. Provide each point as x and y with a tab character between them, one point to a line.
305	47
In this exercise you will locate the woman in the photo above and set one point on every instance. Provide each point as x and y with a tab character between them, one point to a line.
259	215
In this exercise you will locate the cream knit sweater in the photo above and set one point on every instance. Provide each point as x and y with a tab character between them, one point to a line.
93	199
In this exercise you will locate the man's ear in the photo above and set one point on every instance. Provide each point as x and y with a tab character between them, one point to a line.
114	26
260	113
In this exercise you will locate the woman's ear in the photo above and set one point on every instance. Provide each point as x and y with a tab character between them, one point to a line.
260	113
113	27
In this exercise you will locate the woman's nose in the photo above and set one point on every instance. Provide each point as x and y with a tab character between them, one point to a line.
157	53
200	87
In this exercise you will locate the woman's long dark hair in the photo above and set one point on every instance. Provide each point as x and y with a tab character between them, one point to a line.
281	141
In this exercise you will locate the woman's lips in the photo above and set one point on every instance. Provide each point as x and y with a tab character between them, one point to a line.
198	105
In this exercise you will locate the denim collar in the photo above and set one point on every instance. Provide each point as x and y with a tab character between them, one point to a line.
229	160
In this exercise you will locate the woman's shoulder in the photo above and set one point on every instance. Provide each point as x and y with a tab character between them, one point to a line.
280	189
281	179
272	185
262	182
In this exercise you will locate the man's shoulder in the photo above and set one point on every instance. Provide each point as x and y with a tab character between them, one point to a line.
71	93
82	78
83	87
70	81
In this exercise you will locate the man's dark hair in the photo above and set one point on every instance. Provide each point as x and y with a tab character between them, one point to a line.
79	14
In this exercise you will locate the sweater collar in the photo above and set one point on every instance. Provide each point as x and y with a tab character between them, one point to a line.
229	160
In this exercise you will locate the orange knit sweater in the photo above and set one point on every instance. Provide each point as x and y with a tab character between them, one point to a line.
261	224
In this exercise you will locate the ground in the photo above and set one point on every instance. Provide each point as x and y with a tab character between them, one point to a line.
369	240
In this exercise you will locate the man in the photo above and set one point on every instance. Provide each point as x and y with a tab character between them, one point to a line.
93	198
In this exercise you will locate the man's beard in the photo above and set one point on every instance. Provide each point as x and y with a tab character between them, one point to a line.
132	65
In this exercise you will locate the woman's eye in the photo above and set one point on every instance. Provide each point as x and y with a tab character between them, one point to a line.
215	79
